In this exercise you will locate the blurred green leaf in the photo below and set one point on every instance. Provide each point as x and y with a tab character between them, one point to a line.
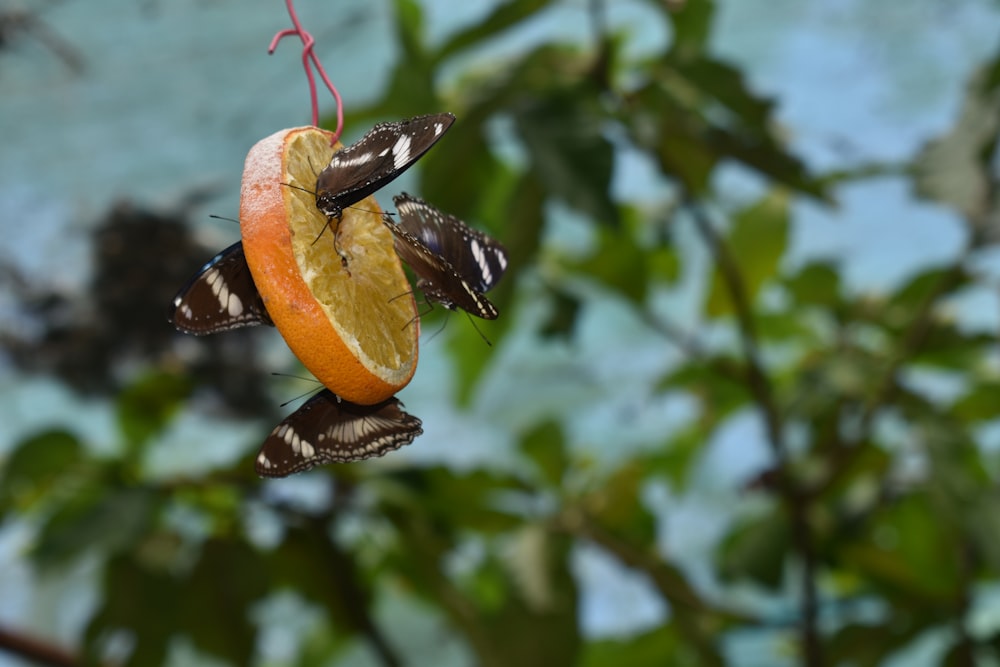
546	448
146	407
38	468
981	521
455	500
963	652
958	168
214	605
617	505
481	190
784	325
664	264
692	22
713	381
863	472
653	648
506	15
679	452
822	382
766	155
757	244
562	319
817	284
908	557
310	562
547	633
108	519
139	600
756	550
569	153
695	114
724	85
412	81
947	346
659	125
524	221
619	264
929	284
856	644
980	402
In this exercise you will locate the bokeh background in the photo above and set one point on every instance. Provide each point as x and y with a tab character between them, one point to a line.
740	406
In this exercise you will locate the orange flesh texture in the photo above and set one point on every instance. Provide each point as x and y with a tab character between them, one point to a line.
354	328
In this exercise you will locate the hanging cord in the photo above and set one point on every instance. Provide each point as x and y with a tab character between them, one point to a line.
309	54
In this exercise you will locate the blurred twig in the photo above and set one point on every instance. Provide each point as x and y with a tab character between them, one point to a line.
14	22
757	379
35	649
762	390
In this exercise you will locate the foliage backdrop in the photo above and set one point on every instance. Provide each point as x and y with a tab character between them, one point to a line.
873	525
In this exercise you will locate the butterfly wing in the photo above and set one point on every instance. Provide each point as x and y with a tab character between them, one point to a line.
328	429
220	297
436	277
478	258
385	152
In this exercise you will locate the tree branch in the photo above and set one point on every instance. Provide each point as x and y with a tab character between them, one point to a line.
756	378
763	394
35	649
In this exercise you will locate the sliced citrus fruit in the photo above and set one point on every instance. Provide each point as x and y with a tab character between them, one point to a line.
352	325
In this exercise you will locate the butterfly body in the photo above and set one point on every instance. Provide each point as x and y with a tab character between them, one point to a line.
385	152
454	263
328	429
220	297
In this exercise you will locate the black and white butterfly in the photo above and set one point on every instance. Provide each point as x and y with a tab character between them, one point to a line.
328	429
220	297
385	152
454	263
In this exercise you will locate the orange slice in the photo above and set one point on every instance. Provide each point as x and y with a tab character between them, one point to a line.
353	327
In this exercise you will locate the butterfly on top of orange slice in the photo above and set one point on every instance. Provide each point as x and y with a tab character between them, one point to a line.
352	323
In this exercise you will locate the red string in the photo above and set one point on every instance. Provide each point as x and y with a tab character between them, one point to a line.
307	55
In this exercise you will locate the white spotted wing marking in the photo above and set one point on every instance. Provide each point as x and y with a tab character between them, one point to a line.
454	263
220	297
385	152
401	152
328	429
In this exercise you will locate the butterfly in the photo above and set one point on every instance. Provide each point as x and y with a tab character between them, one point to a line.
328	429
454	263
385	152
220	297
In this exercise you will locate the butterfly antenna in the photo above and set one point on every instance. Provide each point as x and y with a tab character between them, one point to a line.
416	317
440	328
313	193
302	395
367	210
300	188
400	296
304	379
295	377
481	334
325	227
222	217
